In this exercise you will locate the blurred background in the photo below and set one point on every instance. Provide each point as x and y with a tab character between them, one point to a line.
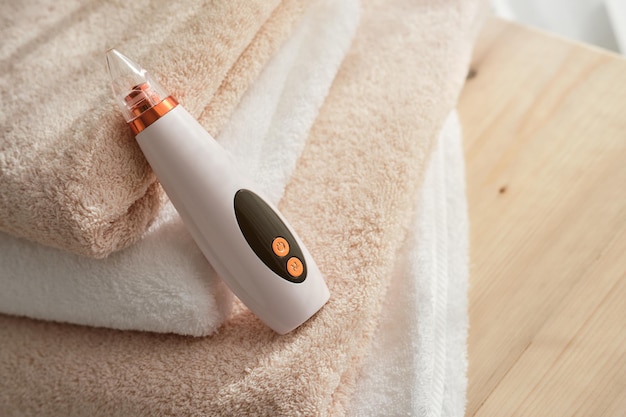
598	22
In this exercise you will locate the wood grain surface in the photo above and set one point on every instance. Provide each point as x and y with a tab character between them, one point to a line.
545	140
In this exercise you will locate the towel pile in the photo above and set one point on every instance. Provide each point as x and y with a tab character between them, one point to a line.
360	156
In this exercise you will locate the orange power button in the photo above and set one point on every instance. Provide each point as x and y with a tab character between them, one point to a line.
294	267
280	246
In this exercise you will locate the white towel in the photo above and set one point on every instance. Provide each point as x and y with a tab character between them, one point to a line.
164	283
417	363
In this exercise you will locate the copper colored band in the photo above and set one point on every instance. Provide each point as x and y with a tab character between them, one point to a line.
151	115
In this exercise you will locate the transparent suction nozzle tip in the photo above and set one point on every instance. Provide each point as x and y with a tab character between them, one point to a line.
134	89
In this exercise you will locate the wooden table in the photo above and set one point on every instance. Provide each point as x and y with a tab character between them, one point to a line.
545	142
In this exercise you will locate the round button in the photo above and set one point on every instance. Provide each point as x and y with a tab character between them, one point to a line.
295	267
280	246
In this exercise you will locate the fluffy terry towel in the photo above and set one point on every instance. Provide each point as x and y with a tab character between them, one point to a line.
71	175
350	197
163	283
417	363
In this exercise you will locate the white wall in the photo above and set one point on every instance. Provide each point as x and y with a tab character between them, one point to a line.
584	20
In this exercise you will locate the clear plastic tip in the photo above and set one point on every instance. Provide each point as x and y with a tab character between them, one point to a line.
134	89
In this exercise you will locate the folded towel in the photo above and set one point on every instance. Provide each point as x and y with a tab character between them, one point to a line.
350	198
417	363
163	283
71	176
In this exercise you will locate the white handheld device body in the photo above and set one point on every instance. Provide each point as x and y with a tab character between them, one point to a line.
247	241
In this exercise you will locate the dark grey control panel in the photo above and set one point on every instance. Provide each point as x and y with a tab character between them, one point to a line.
269	237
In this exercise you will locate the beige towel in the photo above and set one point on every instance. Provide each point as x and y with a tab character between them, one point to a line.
71	175
350	200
